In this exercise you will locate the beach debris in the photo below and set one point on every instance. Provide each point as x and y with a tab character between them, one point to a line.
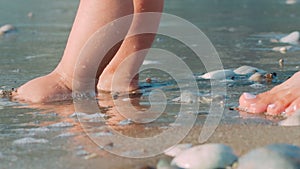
275	156
6	29
248	70
148	80
281	49
293	120
219	74
205	156
177	149
292	38
29	140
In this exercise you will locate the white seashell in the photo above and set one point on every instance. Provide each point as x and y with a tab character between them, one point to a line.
248	70
276	156
6	28
292	38
293	120
205	156
219	74
175	150
29	140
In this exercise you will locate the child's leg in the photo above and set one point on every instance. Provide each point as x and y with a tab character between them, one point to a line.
91	16
124	67
282	98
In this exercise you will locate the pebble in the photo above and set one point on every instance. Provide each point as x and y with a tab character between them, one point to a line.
205	156
275	156
281	62
293	120
292	38
6	28
29	140
256	77
219	74
177	149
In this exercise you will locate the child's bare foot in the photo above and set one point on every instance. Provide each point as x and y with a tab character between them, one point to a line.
49	88
282	98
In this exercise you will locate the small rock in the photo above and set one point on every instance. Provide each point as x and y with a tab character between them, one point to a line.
256	77
275	156
29	140
177	149
281	62
292	38
205	156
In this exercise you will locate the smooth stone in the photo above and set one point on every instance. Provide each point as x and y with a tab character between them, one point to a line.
6	28
256	77
219	74
293	120
29	140
205	156
177	149
275	156
248	70
292	38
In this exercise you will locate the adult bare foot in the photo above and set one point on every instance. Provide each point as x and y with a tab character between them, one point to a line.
282	98
49	88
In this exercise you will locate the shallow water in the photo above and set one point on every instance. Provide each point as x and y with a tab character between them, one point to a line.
240	30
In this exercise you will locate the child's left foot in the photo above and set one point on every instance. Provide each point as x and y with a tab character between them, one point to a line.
49	88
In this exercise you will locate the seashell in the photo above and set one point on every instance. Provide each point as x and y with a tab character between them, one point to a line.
275	156
293	120
290	2
6	28
292	38
175	150
205	156
248	70
219	74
